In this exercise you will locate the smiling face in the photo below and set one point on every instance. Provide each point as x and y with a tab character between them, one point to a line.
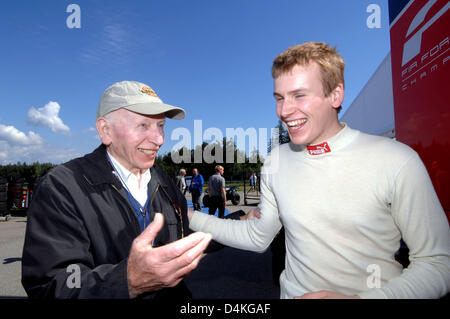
310	116
132	139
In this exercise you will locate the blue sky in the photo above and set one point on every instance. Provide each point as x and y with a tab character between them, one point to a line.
211	57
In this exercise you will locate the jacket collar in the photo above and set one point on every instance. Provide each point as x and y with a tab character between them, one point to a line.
98	170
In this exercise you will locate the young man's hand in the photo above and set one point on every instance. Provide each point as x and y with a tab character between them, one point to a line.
253	213
190	213
325	294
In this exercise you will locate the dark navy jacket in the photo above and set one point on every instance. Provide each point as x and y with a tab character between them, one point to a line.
80	215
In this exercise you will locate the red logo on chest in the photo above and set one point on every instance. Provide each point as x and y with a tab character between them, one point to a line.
318	149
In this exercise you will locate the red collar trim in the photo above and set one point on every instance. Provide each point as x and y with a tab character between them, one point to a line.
318	149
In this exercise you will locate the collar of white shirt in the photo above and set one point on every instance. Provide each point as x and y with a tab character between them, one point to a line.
130	181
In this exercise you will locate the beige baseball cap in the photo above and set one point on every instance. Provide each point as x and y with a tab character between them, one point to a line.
137	97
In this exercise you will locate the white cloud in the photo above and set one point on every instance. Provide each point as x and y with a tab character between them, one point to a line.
16	146
114	40
90	130
93	132
43	153
112	43
48	116
13	136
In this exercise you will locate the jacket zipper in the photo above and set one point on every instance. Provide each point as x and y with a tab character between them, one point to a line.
152	197
177	210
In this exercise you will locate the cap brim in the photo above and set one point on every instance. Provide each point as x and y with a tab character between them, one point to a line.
173	112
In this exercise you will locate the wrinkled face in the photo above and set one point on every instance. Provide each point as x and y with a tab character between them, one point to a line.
132	139
308	115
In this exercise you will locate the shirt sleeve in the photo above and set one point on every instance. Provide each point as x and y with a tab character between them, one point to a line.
254	235
424	227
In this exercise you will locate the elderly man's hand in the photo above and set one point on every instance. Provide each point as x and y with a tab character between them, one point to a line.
154	268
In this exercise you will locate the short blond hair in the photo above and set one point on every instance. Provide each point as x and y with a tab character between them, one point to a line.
218	168
331	63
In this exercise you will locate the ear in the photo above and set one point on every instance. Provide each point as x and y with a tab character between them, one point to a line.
104	129
337	96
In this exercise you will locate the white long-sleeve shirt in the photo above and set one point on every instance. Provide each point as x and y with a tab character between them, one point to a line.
344	213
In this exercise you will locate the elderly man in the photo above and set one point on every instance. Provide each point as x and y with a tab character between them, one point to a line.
110	224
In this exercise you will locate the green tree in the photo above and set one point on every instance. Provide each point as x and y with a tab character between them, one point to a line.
281	137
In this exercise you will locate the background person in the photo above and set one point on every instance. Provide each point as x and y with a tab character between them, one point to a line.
196	189
253	181
180	181
217	193
345	198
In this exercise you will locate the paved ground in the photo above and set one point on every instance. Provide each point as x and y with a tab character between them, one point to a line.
12	233
227	273
252	202
233	273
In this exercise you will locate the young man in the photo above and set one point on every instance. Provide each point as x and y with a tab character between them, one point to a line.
345	198
93	229
217	193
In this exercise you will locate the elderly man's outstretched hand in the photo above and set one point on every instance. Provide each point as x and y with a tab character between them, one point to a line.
154	268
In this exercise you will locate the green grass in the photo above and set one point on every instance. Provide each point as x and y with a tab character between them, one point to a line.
239	184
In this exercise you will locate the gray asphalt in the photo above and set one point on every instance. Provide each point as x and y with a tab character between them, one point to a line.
232	273
227	273
12	234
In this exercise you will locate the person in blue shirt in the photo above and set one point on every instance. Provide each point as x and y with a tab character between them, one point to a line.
196	188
